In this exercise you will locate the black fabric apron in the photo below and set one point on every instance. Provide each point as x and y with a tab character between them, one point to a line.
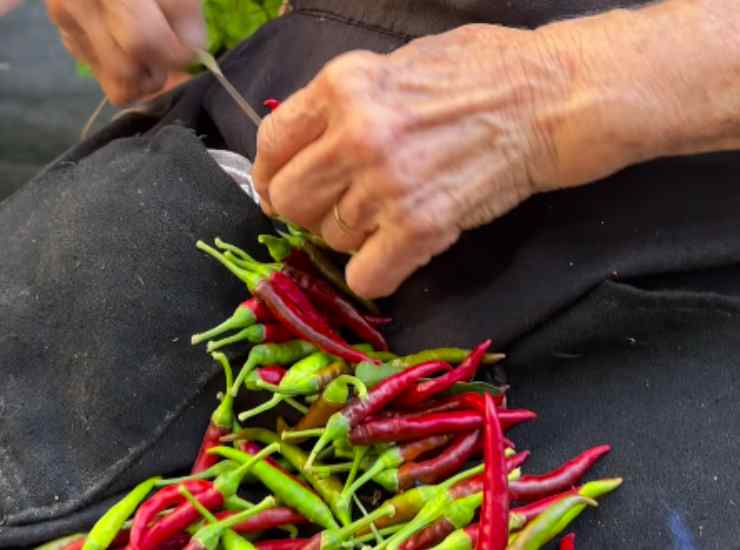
618	303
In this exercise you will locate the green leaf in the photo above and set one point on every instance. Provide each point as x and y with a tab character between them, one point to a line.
84	71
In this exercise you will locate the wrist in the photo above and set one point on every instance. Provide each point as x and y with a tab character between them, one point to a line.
647	83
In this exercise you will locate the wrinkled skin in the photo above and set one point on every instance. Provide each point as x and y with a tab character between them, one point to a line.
451	131
136	48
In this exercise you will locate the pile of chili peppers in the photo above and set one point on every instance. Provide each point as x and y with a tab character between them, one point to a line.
389	452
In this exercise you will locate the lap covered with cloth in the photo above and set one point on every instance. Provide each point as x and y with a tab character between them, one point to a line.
618	304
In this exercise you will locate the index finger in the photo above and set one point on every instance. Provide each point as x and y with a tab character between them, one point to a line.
297	123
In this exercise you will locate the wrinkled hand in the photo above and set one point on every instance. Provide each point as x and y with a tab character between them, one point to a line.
442	135
131	45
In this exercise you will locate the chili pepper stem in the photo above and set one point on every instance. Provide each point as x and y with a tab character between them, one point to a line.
274	401
244	334
378	537
313	432
249	278
202	510
214	471
332	468
296	405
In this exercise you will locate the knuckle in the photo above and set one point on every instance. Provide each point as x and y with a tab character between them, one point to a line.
347	71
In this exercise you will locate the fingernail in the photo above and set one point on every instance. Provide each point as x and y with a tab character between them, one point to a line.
192	32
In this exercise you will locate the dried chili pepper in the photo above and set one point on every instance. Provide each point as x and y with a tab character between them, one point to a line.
435	469
341	423
280	294
407	427
494	516
424	391
256	334
289	491
245	315
548	524
533	487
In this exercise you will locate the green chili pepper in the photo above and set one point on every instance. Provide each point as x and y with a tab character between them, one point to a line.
549	523
212	472
371	374
264	354
111	523
288	490
302	370
327	486
233	541
278	247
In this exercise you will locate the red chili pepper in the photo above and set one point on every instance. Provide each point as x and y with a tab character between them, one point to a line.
429	536
267	519
163	499
359	408
533	487
324	295
245	315
281	544
440	467
220	423
568	542
408	427
378	322
212	498
281	295
271	103
517	460
271	374
494	514
422	392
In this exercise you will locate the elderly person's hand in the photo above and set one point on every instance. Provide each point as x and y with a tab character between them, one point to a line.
392	156
131	45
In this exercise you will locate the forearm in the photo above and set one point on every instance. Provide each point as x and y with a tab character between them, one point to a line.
662	80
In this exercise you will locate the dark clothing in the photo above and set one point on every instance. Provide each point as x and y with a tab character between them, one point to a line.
618	303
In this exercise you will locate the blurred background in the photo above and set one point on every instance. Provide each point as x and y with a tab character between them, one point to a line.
45	100
44	103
